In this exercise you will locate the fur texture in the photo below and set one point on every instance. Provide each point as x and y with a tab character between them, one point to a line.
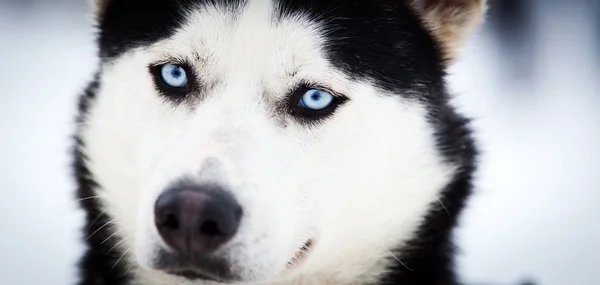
377	185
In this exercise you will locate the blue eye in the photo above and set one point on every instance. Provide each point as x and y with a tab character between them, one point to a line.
311	105
315	99
174	76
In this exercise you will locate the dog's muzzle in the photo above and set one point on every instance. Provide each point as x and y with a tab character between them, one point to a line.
194	221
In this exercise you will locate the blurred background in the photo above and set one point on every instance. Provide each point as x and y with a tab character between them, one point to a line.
530	78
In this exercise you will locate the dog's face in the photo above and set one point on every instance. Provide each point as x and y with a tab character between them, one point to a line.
254	141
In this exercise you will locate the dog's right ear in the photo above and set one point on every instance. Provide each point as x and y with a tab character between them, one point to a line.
100	7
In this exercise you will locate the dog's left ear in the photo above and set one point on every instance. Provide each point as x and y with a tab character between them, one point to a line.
100	7
450	21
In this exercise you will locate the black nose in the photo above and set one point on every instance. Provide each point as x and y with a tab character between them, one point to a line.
196	219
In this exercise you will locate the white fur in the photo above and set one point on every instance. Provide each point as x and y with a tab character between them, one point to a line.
360	183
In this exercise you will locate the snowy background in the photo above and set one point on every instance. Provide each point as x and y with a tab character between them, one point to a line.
531	78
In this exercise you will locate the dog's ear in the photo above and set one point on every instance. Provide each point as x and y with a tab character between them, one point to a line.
450	21
100	7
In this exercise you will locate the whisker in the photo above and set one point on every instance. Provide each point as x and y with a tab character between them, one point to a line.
113	267
443	206
102	213
109	237
132	273
128	267
87	198
117	244
100	228
398	259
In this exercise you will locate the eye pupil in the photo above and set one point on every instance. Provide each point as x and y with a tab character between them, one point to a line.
316	96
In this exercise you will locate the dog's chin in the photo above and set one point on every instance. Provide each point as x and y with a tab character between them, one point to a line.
198	270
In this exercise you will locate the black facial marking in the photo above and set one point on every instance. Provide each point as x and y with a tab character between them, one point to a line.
382	41
127	24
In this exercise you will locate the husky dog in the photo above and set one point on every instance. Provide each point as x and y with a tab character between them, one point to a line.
274	142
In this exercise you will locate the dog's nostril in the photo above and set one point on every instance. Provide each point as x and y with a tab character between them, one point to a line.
171	222
210	228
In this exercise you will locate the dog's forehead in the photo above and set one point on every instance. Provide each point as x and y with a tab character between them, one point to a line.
221	40
382	41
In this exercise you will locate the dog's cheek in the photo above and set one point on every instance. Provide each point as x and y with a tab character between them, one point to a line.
381	173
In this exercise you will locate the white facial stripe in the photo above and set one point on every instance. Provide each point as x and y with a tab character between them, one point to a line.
360	181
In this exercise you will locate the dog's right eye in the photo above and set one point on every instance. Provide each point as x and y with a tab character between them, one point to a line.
172	79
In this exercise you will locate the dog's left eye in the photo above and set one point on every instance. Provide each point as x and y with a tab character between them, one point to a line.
313	104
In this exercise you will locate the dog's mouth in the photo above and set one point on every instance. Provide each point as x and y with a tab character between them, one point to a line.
302	254
193	275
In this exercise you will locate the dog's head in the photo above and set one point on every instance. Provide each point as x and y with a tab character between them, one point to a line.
256	140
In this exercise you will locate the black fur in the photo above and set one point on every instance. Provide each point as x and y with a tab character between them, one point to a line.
382	40
127	24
